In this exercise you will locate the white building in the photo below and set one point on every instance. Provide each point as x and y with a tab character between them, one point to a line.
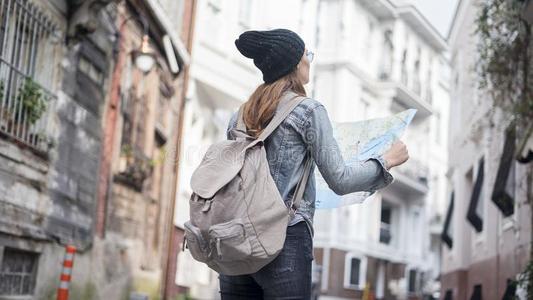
221	80
373	59
486	245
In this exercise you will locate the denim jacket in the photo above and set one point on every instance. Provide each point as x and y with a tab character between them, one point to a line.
308	127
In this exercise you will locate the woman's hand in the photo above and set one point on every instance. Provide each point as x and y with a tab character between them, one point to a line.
396	155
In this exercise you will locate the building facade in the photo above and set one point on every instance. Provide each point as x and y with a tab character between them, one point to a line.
50	123
485	245
219	82
221	79
86	138
374	59
141	130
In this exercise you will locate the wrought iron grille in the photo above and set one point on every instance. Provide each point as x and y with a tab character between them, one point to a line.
27	72
17	272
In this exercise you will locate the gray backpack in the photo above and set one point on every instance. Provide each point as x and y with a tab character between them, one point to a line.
238	219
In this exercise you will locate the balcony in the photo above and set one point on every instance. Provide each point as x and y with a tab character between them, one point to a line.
382	9
411	178
134	168
385	235
404	98
28	42
25	108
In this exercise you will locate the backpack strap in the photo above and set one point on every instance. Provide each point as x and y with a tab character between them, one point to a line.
286	105
300	187
240	123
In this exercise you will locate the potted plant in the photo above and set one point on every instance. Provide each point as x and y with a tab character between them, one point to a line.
30	96
134	167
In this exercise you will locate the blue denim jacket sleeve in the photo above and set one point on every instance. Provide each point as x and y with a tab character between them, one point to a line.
341	178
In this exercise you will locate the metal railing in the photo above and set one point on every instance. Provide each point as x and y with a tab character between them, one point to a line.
416	170
385	234
26	51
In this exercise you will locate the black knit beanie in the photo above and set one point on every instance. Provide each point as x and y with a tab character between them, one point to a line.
275	52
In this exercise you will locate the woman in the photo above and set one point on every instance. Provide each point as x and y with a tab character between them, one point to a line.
284	61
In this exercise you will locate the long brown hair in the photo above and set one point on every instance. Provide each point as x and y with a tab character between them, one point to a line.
261	106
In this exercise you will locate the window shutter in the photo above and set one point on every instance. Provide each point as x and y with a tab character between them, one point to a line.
472	216
446	235
500	196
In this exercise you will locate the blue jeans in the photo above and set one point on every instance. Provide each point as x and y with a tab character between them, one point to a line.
288	276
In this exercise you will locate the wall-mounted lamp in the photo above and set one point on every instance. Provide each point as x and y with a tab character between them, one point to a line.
144	56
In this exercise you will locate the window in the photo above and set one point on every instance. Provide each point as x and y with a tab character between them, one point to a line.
26	71
416	77
503	192
18	272
368	40
388	50
385	235
510	290
413	281
415	232
214	23
437	128
448	295
429	81
355	268
475	209
447	231
245	13
162	111
135	166
476	294
354	272
404	78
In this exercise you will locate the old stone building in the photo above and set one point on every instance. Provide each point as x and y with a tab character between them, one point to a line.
53	74
77	84
138	171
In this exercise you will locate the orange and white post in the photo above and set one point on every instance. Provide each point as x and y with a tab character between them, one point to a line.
68	263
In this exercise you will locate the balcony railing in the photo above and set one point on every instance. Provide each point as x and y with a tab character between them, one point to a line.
27	49
385	235
25	108
416	171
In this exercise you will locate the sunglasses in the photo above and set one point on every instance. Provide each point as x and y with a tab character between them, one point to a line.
310	55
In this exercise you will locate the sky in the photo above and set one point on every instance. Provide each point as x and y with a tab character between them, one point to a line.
438	12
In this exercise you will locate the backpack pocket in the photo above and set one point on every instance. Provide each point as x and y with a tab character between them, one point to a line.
229	241
195	242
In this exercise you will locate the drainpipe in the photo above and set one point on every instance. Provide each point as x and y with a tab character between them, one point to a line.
110	121
172	248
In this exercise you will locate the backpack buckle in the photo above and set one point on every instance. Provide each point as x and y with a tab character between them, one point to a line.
207	205
292	210
184	243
